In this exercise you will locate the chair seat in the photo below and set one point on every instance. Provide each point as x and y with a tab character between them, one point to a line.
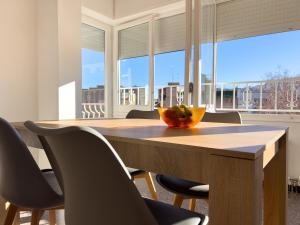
166	214
135	172
183	187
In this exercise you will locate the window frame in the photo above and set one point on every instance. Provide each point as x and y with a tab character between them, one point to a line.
121	110
107	60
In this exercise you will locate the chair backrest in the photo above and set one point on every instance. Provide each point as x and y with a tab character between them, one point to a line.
140	114
227	117
21	181
97	186
33	128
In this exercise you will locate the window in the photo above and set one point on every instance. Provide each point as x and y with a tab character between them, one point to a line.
93	71
169	59
258	56
134	65
260	74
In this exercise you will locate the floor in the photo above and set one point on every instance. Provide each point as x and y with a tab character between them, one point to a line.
293	206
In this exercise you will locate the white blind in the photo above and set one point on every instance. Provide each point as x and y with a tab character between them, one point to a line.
170	32
207	23
92	38
134	41
247	18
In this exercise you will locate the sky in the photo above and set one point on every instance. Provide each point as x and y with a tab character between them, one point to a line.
247	59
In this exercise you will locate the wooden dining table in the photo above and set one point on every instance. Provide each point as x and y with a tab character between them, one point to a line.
244	165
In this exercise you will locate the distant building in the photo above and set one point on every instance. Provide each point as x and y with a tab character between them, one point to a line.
93	94
133	96
170	95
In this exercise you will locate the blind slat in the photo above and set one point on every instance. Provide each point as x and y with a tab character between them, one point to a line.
170	32
244	18
92	38
134	41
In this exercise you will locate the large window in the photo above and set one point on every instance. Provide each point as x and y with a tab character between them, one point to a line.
260	74
134	65
258	62
169	45
93	71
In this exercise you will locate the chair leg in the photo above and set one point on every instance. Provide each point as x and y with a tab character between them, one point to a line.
52	217
192	204
150	185
11	213
178	201
36	216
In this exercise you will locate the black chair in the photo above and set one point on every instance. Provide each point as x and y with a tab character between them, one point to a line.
141	114
136	173
184	189
94	196
22	184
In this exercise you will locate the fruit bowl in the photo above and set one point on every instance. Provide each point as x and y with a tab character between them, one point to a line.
181	116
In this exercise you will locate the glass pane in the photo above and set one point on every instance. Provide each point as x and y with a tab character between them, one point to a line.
266	71
134	77
134	65
207	73
206	56
207	49
93	71
169	79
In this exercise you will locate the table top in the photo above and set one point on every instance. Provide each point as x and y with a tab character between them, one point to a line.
243	141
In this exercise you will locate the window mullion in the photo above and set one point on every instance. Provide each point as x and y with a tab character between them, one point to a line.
188	47
214	69
151	64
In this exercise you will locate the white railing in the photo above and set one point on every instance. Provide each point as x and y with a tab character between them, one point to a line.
93	110
280	96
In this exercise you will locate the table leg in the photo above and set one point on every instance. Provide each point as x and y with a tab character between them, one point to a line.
235	195
275	187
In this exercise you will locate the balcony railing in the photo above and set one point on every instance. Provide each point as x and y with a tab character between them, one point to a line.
277	96
93	110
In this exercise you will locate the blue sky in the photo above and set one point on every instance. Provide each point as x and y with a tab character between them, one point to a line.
238	60
92	68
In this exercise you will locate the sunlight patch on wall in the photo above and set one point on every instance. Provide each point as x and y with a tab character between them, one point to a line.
67	101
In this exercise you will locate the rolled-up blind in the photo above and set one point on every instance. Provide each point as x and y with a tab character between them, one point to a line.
170	32
134	41
92	38
207	23
248	18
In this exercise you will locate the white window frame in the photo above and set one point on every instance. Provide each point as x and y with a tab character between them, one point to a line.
122	110
108	101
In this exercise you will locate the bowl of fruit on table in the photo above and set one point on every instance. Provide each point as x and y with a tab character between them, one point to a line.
181	116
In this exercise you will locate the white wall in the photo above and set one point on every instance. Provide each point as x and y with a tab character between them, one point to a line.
18	79
40	50
69	39
104	7
291	121
129	7
59	57
47	40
